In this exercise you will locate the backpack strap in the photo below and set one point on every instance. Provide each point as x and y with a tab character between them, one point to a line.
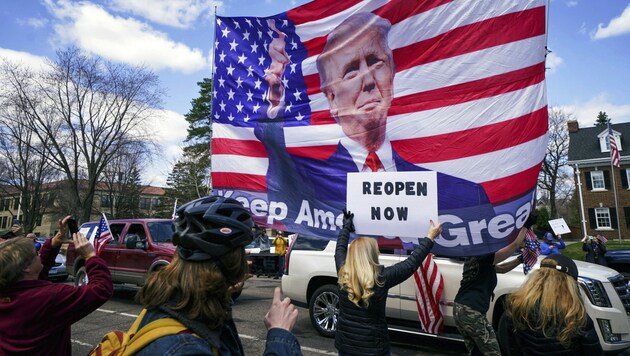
151	332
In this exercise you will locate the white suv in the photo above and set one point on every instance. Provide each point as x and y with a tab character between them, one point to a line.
310	280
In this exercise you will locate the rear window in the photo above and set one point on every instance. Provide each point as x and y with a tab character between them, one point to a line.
161	231
309	243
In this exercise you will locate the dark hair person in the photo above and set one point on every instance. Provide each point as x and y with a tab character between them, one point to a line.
36	314
546	316
363	286
211	234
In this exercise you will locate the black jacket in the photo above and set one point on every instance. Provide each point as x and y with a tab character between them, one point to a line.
530	342
363	331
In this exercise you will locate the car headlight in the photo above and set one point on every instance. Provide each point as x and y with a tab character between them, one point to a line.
595	292
609	336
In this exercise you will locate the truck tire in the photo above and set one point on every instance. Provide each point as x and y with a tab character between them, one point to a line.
81	278
324	309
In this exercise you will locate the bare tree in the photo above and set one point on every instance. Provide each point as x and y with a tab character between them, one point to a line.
122	183
25	165
554	179
87	110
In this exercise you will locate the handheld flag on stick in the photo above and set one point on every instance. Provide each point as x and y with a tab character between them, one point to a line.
429	288
174	210
531	251
103	234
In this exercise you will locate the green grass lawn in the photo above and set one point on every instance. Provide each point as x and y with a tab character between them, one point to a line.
574	250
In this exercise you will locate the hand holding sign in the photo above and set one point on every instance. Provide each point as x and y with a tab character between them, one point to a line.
347	220
434	231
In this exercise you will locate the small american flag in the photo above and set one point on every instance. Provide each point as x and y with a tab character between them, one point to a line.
614	151
531	251
602	238
429	288
103	234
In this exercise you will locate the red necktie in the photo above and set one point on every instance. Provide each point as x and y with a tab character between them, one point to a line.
373	162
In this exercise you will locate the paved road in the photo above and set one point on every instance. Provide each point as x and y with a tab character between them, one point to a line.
249	310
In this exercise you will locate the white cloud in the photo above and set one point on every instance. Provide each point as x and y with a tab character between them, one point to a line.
170	131
125	40
552	62
23	58
586	112
176	13
571	3
34	22
583	29
617	26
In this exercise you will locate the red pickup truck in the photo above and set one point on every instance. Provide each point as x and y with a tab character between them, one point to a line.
139	247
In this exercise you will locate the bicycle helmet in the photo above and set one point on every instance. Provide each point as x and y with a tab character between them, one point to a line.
210	227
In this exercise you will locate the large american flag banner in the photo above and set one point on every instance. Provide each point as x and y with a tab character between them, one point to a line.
429	289
614	150
468	101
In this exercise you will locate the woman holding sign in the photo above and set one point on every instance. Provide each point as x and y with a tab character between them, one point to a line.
363	286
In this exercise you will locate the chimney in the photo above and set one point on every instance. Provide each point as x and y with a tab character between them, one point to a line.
573	126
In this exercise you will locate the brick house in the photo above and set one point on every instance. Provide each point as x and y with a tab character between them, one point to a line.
589	156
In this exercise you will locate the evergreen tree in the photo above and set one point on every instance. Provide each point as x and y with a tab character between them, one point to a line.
200	123
602	119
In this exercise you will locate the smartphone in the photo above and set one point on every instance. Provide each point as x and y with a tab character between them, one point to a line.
72	226
16	221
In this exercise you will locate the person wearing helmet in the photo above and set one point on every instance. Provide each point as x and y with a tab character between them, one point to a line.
551	246
195	288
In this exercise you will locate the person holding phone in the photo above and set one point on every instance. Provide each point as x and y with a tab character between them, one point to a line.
27	297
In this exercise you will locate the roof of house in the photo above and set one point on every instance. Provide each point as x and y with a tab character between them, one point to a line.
584	144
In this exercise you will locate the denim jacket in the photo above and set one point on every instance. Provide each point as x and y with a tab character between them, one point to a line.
225	340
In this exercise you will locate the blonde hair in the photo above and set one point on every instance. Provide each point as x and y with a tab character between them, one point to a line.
359	273
549	302
15	255
198	289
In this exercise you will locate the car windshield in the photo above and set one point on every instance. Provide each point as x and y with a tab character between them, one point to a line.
161	231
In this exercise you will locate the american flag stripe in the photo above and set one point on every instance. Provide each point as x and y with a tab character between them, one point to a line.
473	141
429	289
304	14
244	181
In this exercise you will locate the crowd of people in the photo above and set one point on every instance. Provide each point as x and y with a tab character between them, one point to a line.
194	292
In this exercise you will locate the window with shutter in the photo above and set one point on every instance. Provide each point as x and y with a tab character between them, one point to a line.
602	218
597	180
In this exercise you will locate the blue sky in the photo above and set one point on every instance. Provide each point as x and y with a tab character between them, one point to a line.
588	66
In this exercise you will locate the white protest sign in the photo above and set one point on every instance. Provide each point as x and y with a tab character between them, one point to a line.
559	226
393	203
